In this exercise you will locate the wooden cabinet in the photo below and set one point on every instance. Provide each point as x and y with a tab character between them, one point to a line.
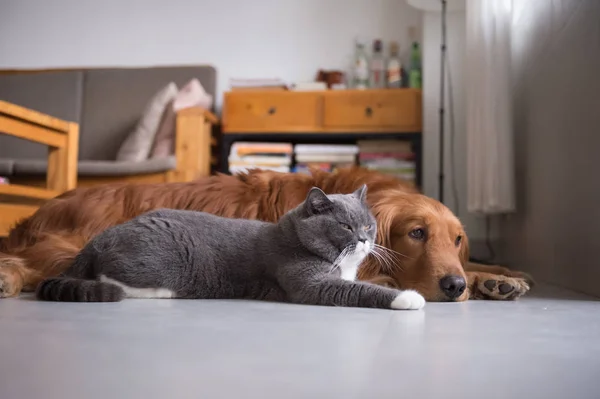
332	116
272	111
394	109
343	111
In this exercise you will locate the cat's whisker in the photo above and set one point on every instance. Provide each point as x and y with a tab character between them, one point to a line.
391	263
381	253
394	259
380	258
391	250
390	255
386	249
387	259
340	259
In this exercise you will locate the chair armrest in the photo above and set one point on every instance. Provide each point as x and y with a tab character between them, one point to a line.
209	116
62	138
34	117
193	143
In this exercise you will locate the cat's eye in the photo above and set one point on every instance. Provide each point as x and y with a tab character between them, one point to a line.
346	226
368	227
417	234
458	241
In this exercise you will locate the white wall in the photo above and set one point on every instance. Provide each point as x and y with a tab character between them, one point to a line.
290	39
456	40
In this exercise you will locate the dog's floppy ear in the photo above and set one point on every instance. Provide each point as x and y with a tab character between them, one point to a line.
463	254
361	193
317	202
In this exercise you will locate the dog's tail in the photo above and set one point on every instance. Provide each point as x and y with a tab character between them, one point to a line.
66	289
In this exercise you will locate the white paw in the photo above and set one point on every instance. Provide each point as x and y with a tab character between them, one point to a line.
408	299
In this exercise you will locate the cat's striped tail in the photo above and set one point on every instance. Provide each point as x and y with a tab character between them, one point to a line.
65	289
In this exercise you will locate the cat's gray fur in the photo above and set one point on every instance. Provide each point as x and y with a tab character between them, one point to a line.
186	254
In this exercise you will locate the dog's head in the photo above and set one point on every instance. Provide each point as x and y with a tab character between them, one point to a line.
428	246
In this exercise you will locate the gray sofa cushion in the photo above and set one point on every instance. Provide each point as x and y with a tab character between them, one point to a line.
58	94
114	100
6	167
100	168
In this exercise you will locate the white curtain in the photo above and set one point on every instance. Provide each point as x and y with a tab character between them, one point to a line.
490	152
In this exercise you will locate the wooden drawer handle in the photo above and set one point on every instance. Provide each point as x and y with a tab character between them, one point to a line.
369	112
272	110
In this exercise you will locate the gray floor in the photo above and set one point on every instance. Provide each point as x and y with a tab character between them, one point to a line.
544	346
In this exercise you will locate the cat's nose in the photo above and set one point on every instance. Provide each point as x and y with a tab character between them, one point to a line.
363	240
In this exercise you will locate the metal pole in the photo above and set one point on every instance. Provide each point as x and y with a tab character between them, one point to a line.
442	101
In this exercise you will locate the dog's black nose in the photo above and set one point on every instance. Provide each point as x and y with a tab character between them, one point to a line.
453	286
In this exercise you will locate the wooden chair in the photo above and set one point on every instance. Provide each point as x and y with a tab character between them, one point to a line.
62	139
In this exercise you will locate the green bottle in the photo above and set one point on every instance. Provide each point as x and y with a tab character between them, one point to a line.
414	76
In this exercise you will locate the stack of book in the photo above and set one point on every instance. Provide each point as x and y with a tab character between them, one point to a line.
308	86
257	84
392	157
267	156
326	157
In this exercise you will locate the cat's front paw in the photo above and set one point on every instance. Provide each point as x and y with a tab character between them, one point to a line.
408	300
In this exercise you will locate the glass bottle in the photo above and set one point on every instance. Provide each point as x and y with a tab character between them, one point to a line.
394	67
361	66
414	77
377	66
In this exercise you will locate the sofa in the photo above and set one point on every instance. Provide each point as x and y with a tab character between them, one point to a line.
107	104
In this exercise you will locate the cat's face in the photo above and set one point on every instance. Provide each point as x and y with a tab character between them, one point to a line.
338	227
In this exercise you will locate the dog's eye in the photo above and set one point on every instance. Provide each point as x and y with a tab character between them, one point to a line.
346	226
368	227
458	241
417	234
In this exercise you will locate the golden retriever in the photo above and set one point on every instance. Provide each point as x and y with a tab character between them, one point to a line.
428	247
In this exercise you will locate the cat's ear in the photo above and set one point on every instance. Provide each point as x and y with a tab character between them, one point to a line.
361	193
317	202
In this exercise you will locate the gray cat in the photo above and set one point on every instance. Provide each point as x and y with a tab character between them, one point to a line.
310	256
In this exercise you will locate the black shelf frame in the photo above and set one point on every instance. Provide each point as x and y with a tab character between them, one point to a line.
227	139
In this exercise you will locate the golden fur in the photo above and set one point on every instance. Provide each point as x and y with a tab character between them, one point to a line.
45	244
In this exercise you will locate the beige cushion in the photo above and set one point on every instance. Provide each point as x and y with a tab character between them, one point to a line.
138	144
164	142
191	95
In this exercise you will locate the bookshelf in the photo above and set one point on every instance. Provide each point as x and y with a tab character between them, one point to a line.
326	117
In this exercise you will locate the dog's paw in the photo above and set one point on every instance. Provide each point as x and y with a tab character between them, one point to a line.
9	284
408	300
524	276
501	288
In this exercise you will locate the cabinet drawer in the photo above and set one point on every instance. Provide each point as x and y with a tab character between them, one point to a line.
391	108
270	112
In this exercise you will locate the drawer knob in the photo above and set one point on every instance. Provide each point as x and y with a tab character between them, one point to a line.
369	111
272	110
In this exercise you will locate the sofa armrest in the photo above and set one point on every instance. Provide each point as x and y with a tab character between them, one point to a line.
193	144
